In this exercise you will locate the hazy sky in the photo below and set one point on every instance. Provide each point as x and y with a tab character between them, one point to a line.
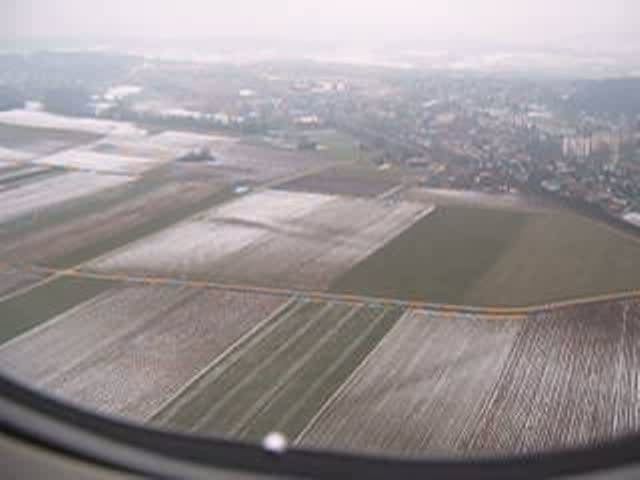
507	21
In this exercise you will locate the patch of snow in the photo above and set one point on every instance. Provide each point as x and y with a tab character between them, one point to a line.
98	162
27	118
633	218
119	92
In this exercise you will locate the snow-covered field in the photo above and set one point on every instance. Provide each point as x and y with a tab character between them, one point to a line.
129	349
187	140
633	218
421	389
98	162
271	238
38	119
133	147
51	191
118	92
18	173
9	155
443	196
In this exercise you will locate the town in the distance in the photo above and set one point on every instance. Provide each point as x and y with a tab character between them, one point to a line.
572	137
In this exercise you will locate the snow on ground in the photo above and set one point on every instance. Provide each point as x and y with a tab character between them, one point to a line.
443	196
21	172
270	238
633	218
133	147
119	92
9	155
38	119
187	140
51	191
99	162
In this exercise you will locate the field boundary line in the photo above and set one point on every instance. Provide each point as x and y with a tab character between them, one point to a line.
151	235
49	278
318	382
248	334
503	313
52	320
340	390
266	186
267	398
289	342
392	191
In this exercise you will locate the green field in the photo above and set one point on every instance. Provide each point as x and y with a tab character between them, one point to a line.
75	209
498	257
22	226
34	307
148	227
282	375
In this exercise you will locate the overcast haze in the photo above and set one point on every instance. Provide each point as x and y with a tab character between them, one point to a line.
518	22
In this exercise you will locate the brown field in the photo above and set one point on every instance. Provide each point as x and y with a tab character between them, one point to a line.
341	181
271	238
466	386
129	349
242	162
63	239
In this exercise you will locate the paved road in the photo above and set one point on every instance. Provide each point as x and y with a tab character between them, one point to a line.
496	312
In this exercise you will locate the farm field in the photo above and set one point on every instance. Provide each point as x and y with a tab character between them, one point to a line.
570	379
481	255
24	174
12	280
129	348
445	197
29	198
438	259
77	240
270	238
136	284
561	255
132	147
341	181
278	378
29	309
44	120
99	162
33	141
248	163
180	141
465	386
